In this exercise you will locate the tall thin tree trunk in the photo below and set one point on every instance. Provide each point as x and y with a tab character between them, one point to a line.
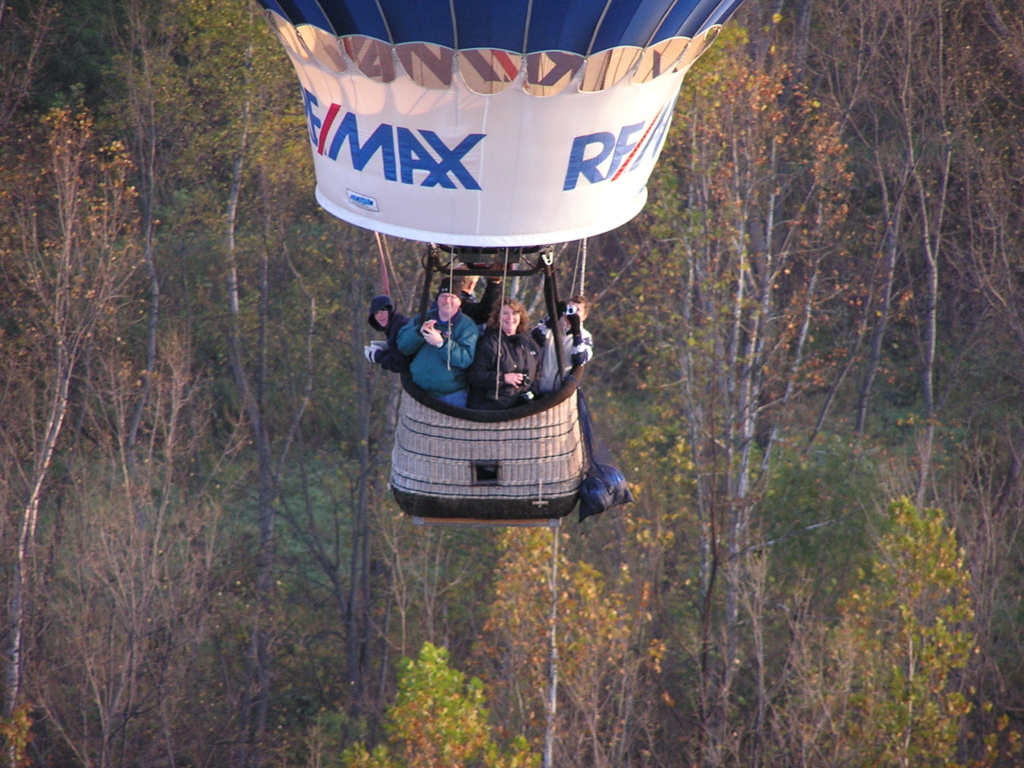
67	337
252	717
21	578
552	697
139	79
73	279
890	247
359	563
932	209
932	248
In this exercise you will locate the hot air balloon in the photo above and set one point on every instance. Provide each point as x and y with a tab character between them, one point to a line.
487	123
484	125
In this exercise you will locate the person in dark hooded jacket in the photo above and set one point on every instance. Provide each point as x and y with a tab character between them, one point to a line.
385	318
495	385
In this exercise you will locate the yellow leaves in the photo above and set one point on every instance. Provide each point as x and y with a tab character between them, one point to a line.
437	717
906	628
17	735
600	628
645	594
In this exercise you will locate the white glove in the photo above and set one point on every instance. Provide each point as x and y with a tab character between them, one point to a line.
375	350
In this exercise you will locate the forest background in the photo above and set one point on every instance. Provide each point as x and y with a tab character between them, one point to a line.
809	364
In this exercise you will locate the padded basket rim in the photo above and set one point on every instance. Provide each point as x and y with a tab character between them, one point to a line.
546	403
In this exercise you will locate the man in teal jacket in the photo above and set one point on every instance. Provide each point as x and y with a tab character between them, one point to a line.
441	348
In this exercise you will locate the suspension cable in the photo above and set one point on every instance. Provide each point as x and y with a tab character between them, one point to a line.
583	269
399	296
501	303
575	271
451	289
385	285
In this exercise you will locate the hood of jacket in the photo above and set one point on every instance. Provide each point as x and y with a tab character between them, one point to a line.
380	302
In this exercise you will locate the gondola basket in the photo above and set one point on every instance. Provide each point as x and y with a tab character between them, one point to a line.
525	463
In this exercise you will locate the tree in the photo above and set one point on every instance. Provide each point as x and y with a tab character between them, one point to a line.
234	76
902	79
68	252
746	221
881	688
126	603
22	44
439	720
605	651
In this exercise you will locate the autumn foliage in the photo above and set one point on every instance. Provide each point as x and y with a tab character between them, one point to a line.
808	355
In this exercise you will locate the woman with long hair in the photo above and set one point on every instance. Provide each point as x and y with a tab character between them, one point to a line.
504	370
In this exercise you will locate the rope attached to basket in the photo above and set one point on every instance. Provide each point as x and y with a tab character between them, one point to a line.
451	289
583	268
501	305
385	285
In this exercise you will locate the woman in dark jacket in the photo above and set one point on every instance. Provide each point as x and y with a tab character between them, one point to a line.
495	385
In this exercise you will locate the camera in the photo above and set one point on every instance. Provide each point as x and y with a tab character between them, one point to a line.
570	309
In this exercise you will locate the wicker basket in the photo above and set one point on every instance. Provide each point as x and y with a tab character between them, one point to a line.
526	467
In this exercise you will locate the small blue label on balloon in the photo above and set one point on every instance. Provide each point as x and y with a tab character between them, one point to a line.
367	203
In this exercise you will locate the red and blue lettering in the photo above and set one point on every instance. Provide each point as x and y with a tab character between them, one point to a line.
441	164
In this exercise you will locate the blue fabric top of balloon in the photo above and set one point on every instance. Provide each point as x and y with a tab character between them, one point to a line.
525	26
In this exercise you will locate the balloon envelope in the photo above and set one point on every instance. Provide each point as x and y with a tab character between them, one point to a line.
486	122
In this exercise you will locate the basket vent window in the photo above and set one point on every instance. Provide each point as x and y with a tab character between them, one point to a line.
486	472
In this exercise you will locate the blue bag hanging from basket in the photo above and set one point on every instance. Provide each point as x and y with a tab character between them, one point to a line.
604	486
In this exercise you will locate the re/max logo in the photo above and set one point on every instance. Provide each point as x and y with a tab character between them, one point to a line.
441	167
403	154
626	153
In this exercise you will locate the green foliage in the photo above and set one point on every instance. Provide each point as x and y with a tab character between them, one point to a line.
908	631
438	720
821	508
605	649
76	64
758	143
